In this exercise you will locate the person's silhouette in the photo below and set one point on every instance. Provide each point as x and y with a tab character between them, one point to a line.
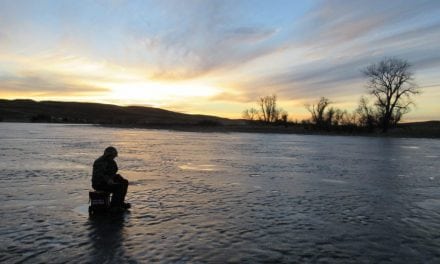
105	178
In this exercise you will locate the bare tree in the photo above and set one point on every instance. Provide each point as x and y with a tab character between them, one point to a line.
269	112
250	114
391	83
318	111
329	117
341	118
366	114
284	116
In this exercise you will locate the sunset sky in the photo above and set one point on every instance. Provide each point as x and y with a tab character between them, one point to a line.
214	57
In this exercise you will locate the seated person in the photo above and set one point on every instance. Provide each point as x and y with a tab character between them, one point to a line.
105	178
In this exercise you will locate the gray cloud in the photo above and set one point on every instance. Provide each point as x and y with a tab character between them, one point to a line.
338	21
45	84
248	34
348	36
201	38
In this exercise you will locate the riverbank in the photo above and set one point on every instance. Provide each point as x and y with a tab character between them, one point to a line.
155	118
430	129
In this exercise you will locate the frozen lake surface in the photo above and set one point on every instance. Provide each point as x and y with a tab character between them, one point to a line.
219	197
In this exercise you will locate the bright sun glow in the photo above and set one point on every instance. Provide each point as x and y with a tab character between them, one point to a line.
113	83
156	93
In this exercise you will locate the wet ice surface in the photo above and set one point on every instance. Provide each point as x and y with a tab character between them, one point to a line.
213	197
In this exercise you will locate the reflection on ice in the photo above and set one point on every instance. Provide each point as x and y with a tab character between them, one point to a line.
334	181
430	204
411	147
198	167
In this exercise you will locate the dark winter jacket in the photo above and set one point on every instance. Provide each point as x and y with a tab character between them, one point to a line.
104	170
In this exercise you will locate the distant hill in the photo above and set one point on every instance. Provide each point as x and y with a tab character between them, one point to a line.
94	113
150	117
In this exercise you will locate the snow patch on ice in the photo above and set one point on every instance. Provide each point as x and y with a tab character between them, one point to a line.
334	181
430	204
82	209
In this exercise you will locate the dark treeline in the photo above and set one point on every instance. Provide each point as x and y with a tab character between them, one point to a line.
390	89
